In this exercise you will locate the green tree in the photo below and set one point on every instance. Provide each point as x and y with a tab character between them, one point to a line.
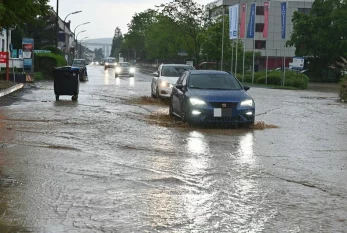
16	13
116	42
138	28
163	39
320	35
190	18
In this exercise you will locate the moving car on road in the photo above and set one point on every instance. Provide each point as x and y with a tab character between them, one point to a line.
165	77
124	68
110	62
82	65
208	96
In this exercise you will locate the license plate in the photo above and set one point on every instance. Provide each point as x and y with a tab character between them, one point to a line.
223	112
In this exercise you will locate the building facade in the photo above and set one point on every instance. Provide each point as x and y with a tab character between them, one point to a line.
3	40
273	46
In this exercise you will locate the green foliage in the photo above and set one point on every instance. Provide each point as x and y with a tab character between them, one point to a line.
98	54
116	43
53	49
45	63
19	12
321	35
292	79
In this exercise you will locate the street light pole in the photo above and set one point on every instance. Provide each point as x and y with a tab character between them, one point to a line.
57	26
72	13
77	38
74	33
81	46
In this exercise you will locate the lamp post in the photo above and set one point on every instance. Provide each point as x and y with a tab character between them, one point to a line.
72	13
74	33
81	45
76	40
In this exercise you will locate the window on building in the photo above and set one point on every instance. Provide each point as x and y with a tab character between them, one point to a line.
259	10
259	27
305	11
260	44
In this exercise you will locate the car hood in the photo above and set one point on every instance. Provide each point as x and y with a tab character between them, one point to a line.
220	95
171	80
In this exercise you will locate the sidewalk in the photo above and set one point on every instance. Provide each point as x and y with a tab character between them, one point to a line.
7	87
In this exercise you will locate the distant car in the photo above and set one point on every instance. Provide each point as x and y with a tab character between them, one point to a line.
124	68
210	96
165	77
82	65
110	62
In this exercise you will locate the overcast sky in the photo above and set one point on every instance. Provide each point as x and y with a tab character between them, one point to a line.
104	15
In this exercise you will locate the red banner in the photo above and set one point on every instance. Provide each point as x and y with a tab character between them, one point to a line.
3	57
266	19
28	47
243	20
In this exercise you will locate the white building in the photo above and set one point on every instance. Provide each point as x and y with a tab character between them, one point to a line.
3	40
273	46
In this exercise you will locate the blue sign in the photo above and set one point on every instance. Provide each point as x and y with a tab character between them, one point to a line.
28	40
250	29
283	19
27	63
15	53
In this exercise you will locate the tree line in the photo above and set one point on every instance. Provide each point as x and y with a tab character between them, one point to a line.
185	25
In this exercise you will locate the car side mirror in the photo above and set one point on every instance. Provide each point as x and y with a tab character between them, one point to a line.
179	86
155	74
246	88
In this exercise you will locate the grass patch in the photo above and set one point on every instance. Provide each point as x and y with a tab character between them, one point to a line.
4	84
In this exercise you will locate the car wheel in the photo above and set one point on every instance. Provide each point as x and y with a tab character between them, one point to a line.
185	115
157	93
116	75
171	108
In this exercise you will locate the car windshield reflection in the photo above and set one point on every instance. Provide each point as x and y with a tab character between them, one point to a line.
213	81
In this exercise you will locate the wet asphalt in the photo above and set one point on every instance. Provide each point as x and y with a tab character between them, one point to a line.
99	165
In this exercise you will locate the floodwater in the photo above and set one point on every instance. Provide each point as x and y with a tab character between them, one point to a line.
113	161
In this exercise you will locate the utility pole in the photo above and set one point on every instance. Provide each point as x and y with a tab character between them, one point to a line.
57	26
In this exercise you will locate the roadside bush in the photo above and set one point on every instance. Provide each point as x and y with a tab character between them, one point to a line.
53	49
294	79
273	78
45	63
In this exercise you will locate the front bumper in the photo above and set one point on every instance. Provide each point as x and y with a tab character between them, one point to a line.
208	114
165	91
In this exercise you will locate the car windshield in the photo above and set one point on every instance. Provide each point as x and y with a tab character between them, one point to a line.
214	81
124	64
78	62
175	71
111	60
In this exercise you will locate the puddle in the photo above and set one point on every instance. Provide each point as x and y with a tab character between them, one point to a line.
146	100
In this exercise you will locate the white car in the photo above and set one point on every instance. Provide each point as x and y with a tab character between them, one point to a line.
165	77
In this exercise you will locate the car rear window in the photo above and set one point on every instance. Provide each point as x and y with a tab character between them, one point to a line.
214	81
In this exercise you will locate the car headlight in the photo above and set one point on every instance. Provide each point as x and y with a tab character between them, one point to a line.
118	70
247	103
163	84
106	63
195	101
132	70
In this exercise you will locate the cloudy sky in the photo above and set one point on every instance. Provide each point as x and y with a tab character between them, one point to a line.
104	15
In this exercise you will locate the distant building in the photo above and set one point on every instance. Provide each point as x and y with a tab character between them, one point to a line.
273	46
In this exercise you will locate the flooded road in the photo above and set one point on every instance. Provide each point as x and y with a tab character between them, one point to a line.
108	163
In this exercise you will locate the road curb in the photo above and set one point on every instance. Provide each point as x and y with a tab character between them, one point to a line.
11	89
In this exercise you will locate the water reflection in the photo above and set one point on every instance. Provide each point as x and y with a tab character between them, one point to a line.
246	146
117	81
131	81
196	143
